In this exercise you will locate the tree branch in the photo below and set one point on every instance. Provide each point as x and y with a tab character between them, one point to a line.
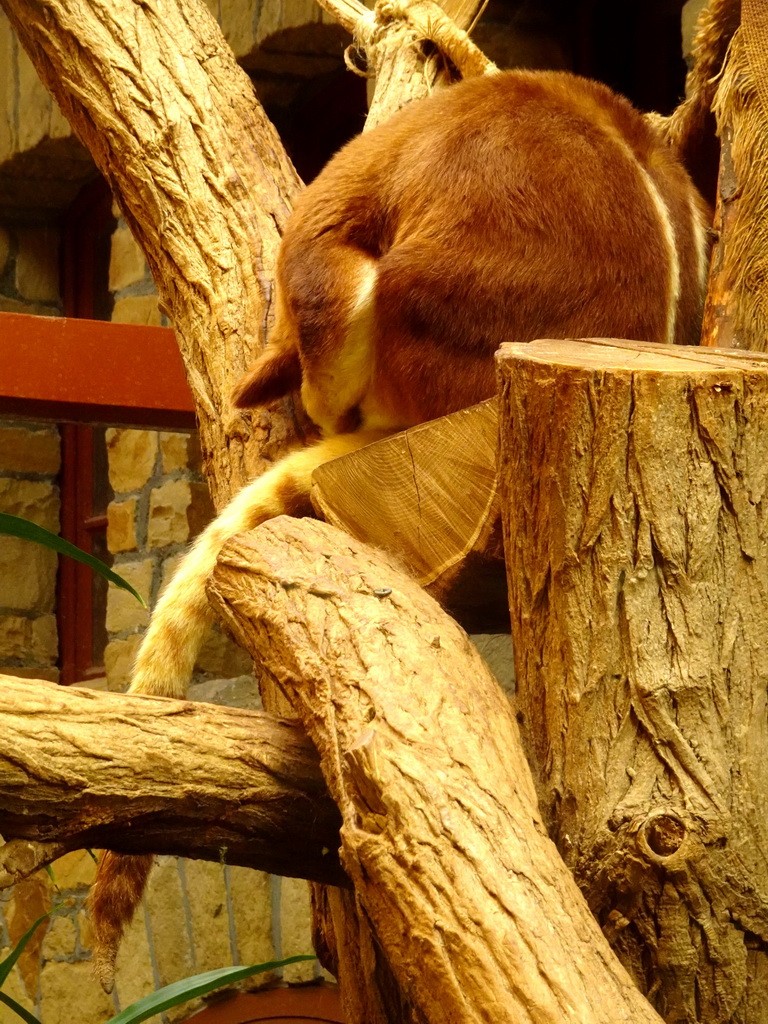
79	768
475	913
20	858
348	13
154	92
390	39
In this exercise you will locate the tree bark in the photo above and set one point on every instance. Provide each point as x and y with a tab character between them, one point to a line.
79	768
719	327
392	47
154	92
633	487
736	311
465	895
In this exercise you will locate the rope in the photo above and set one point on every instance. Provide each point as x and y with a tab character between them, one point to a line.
411	23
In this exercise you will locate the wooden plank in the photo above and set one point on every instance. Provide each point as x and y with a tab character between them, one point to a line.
429	494
90	371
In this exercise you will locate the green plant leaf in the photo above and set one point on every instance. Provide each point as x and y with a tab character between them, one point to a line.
6	966
19	1010
15	526
190	988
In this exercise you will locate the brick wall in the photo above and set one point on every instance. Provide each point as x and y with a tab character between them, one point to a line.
29	273
196	917
29	462
160	503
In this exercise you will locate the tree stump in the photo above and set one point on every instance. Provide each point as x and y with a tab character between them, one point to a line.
633	483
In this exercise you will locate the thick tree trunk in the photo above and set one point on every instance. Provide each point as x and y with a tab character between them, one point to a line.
154	92
465	895
736	312
636	529
79	768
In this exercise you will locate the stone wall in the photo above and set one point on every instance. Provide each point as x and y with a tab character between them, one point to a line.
29	269
42	165
160	502
196	917
29	462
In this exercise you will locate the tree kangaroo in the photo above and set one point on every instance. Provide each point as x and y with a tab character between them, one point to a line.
510	207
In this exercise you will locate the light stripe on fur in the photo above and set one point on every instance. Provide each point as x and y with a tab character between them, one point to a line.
668	234
700	225
344	378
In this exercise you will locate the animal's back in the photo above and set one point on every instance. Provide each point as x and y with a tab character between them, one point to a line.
509	207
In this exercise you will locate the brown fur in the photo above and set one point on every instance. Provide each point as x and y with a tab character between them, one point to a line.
112	902
510	207
507	208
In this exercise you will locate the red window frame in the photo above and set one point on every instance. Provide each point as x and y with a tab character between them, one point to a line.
78	373
81	594
76	596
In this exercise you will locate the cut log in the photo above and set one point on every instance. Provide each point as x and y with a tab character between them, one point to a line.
471	909
429	495
80	768
635	508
